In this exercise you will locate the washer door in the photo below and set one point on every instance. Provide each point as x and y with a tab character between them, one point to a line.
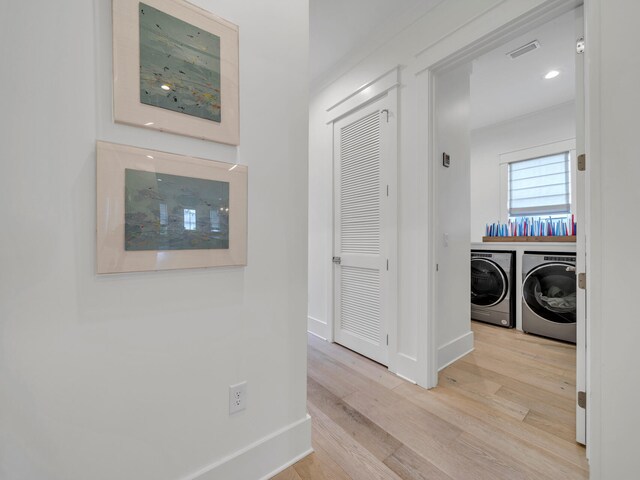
488	283
549	290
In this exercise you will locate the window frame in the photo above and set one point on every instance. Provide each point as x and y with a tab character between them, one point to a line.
536	152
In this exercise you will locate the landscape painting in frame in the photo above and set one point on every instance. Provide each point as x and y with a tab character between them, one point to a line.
175	69
179	65
171	212
159	211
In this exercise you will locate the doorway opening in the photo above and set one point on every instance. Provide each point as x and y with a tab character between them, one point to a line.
507	130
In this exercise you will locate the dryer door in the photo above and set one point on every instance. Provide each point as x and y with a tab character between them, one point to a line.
549	290
488	283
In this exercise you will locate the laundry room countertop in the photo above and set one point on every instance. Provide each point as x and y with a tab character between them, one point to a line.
567	239
521	246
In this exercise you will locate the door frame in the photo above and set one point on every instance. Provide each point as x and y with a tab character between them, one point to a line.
429	72
385	85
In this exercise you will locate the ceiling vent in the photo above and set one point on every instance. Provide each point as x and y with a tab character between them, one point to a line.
529	47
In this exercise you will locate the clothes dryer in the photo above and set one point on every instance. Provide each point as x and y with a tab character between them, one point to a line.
549	295
492	285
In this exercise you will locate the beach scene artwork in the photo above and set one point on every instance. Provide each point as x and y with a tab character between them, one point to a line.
171	212
179	65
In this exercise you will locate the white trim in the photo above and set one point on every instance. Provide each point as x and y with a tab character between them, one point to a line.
317	327
330	279
431	330
503	30
288	464
406	378
593	230
364	94
406	367
459	27
455	350
272	453
538	151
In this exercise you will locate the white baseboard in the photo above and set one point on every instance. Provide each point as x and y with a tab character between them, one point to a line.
318	328
454	350
265	458
406	367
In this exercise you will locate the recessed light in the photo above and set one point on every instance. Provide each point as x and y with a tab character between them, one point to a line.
165	87
235	166
149	156
552	74
148	123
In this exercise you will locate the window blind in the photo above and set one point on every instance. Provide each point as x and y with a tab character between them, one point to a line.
540	186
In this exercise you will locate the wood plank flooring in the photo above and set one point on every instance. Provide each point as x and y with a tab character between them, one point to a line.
505	411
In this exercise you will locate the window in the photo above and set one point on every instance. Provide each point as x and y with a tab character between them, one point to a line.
189	219
214	217
540	186
164	215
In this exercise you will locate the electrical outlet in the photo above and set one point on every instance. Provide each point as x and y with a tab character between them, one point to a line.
237	397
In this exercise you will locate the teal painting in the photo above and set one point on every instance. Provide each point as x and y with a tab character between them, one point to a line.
179	65
170	212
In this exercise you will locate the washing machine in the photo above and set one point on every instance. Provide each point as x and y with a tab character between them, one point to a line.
492	282
549	295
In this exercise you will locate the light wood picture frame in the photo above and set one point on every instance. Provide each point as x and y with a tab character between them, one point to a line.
161	211
175	69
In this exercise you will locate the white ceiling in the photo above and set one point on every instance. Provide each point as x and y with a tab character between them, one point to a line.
339	26
503	88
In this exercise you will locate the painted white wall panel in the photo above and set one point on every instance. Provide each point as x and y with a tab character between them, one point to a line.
452	117
612	110
126	376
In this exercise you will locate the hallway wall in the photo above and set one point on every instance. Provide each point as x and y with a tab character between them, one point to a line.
126	376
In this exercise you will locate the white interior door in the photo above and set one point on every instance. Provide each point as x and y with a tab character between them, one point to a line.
365	227
581	244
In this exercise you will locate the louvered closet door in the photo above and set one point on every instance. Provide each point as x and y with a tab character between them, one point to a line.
361	151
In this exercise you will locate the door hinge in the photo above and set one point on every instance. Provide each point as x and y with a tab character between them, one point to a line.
582	162
387	190
582	281
387	339
337	260
387	264
580	45
437	267
582	399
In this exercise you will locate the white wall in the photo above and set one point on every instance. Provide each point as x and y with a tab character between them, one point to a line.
126	376
452	117
447	27
488	143
612	281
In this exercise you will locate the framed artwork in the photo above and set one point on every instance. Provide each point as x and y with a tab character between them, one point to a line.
175	68
160	211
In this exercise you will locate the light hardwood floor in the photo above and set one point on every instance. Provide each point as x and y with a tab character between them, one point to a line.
505	411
